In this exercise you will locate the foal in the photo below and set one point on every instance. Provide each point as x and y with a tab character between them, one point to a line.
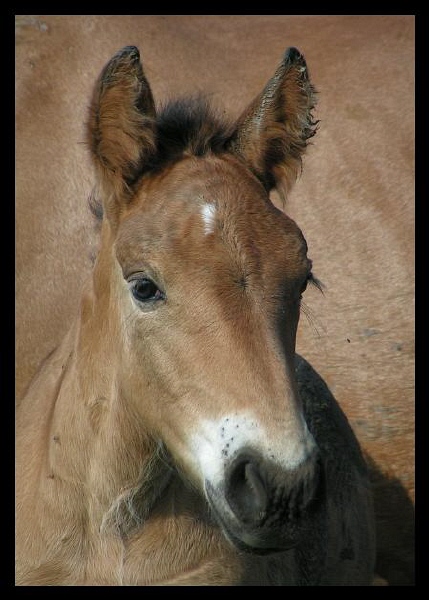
174	437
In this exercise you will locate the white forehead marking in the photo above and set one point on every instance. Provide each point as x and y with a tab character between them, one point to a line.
208	213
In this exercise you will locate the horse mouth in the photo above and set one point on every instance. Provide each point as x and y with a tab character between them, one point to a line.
252	542
257	539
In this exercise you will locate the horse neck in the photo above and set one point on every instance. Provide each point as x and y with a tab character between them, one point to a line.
92	440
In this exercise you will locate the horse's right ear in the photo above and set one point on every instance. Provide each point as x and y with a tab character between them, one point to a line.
121	127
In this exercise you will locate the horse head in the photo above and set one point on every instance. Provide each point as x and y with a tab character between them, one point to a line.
200	278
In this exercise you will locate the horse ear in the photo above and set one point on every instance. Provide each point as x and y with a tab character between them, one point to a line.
121	126
271	135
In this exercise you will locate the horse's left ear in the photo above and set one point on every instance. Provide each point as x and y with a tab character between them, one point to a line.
121	127
271	135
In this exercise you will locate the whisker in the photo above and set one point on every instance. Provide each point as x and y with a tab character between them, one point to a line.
317	327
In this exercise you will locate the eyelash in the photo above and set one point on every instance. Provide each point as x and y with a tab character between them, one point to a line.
312	280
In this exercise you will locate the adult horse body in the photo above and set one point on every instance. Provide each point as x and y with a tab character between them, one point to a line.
173	437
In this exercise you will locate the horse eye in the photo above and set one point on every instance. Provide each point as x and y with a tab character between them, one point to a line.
145	290
308	280
314	281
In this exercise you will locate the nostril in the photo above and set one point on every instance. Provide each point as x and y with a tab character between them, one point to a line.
246	493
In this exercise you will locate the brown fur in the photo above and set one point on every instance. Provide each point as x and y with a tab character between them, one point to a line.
366	359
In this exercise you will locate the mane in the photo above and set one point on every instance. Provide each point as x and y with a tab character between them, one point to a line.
189	126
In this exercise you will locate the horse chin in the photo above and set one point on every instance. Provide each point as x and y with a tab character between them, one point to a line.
253	540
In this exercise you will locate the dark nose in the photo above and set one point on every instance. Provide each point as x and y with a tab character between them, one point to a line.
260	492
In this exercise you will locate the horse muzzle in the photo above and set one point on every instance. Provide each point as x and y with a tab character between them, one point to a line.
263	508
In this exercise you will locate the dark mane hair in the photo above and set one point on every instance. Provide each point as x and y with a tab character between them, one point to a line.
189	126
